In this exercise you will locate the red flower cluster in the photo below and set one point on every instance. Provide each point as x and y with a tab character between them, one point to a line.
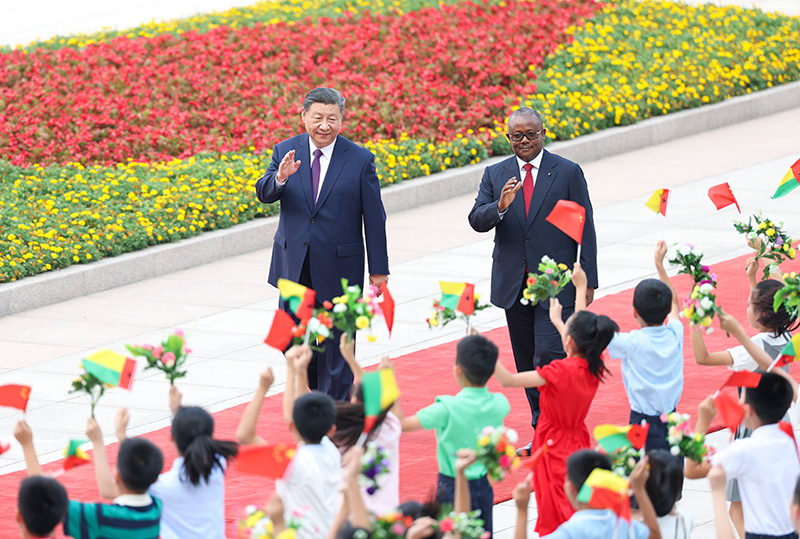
430	73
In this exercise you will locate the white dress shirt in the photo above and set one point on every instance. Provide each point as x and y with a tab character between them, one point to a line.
537	164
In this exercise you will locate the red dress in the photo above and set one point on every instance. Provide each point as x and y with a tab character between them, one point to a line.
564	402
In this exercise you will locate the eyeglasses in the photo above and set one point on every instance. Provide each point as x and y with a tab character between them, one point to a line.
532	135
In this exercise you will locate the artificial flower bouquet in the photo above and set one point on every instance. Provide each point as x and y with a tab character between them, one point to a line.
392	525
443	315
789	295
699	308
624	460
495	449
353	311
683	442
464	525
768	239
690	261
374	464
257	525
548	283
319	327
91	385
168	357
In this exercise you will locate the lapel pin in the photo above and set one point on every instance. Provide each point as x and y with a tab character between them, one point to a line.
548	173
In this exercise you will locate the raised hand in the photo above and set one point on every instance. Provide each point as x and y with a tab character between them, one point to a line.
121	423
93	431
465	458
660	253
175	398
23	433
266	379
287	167
508	194
579	278
300	356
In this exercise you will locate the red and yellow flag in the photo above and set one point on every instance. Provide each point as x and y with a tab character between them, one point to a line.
111	368
604	489
266	460
15	396
300	298
569	217
281	331
722	195
380	392
658	201
790	181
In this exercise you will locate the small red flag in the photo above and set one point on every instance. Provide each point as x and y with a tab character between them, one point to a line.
266	460
722	196
4	447
387	307
466	303
569	217
729	410
280	334
15	396
538	455
742	379
637	436
306	308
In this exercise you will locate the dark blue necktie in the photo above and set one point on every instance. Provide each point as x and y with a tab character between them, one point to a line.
315	173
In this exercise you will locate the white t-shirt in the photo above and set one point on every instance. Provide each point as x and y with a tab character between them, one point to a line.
677	525
310	486
387	497
743	361
191	510
766	466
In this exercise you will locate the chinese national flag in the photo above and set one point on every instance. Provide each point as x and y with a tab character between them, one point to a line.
266	460
280	334
569	217
743	379
15	396
722	196
466	303
729	410
387	307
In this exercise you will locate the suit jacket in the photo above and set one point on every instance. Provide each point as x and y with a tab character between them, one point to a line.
330	232
521	241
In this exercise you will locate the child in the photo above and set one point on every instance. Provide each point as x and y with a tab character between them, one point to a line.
459	419
41	506
310	483
652	357
193	490
134	512
765	464
586	522
567	388
664	487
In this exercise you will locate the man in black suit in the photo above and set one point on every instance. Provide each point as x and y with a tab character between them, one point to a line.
517	211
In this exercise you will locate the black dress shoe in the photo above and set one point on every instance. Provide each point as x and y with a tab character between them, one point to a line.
525	451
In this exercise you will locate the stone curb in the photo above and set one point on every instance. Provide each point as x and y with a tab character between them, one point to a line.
76	281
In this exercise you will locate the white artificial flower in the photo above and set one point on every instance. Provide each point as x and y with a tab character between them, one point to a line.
697	252
706	303
512	436
339	308
521	300
684	249
706	288
675	450
700	311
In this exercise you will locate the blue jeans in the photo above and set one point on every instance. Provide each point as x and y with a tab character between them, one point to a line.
749	535
480	493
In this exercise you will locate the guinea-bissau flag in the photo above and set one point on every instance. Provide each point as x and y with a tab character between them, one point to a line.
613	437
74	454
790	352
604	489
15	396
458	296
380	391
658	201
111	368
300	298
790	181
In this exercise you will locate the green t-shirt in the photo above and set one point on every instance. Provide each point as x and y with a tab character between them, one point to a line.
458	419
112	521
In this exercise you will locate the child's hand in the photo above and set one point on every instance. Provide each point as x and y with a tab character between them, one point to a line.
640	474
579	278
175	398
421	528
754	244
266	379
555	311
522	494
752	266
23	432
728	323
716	478
93	431
347	347
386	363
121	422
300	356
351	464
465	458
274	510
706	410
660	254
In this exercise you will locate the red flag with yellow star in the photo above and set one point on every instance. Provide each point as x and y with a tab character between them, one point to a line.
15	396
569	217
722	196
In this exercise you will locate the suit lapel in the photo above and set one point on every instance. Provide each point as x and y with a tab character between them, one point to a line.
544	181
302	154
338	159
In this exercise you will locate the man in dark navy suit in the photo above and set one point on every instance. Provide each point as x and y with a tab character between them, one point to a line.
517	211
329	192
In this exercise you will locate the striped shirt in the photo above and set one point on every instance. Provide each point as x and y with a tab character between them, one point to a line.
129	517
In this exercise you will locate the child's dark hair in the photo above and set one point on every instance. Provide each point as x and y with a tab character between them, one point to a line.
591	334
42	503
762	298
771	398
313	415
581	463
350	421
665	483
139	462
477	357
193	429
652	299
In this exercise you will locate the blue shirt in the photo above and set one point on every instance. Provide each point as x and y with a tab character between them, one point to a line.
599	524
652	366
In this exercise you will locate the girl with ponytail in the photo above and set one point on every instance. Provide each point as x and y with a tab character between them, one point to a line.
566	388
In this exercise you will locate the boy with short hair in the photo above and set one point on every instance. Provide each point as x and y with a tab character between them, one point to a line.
134	513
458	419
41	506
652	357
766	464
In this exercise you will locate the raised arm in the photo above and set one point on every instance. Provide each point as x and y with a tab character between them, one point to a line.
464	459
705	413
24	435
105	481
579	279
347	347
701	354
661	252
246	431
731	325
521	379
716	478
638	480
522	497
752	268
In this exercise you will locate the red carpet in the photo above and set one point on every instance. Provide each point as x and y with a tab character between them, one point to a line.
423	375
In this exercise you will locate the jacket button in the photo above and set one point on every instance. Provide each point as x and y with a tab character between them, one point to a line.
527	239
305	245
313	220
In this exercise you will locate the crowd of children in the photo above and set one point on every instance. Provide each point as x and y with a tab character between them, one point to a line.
757	473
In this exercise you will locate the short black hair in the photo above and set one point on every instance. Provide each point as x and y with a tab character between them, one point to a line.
139	462
771	398
326	96
581	463
665	483
42	502
652	299
477	357
313	415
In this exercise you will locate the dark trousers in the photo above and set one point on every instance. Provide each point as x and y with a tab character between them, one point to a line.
534	340
481	496
749	535
328	372
657	435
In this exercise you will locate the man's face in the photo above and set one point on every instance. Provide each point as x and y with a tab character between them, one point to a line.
323	123
527	148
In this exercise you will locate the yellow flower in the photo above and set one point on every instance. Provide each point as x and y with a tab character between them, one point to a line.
371	338
688	312
698	436
771	232
762	226
791	255
510	451
484	441
706	322
562	267
362	322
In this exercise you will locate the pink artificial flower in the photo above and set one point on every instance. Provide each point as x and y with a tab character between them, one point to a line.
168	359
398	528
187	350
504	461
157	351
664	418
486	535
178	332
147	346
446	525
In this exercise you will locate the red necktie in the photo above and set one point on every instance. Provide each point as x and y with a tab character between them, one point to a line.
527	187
